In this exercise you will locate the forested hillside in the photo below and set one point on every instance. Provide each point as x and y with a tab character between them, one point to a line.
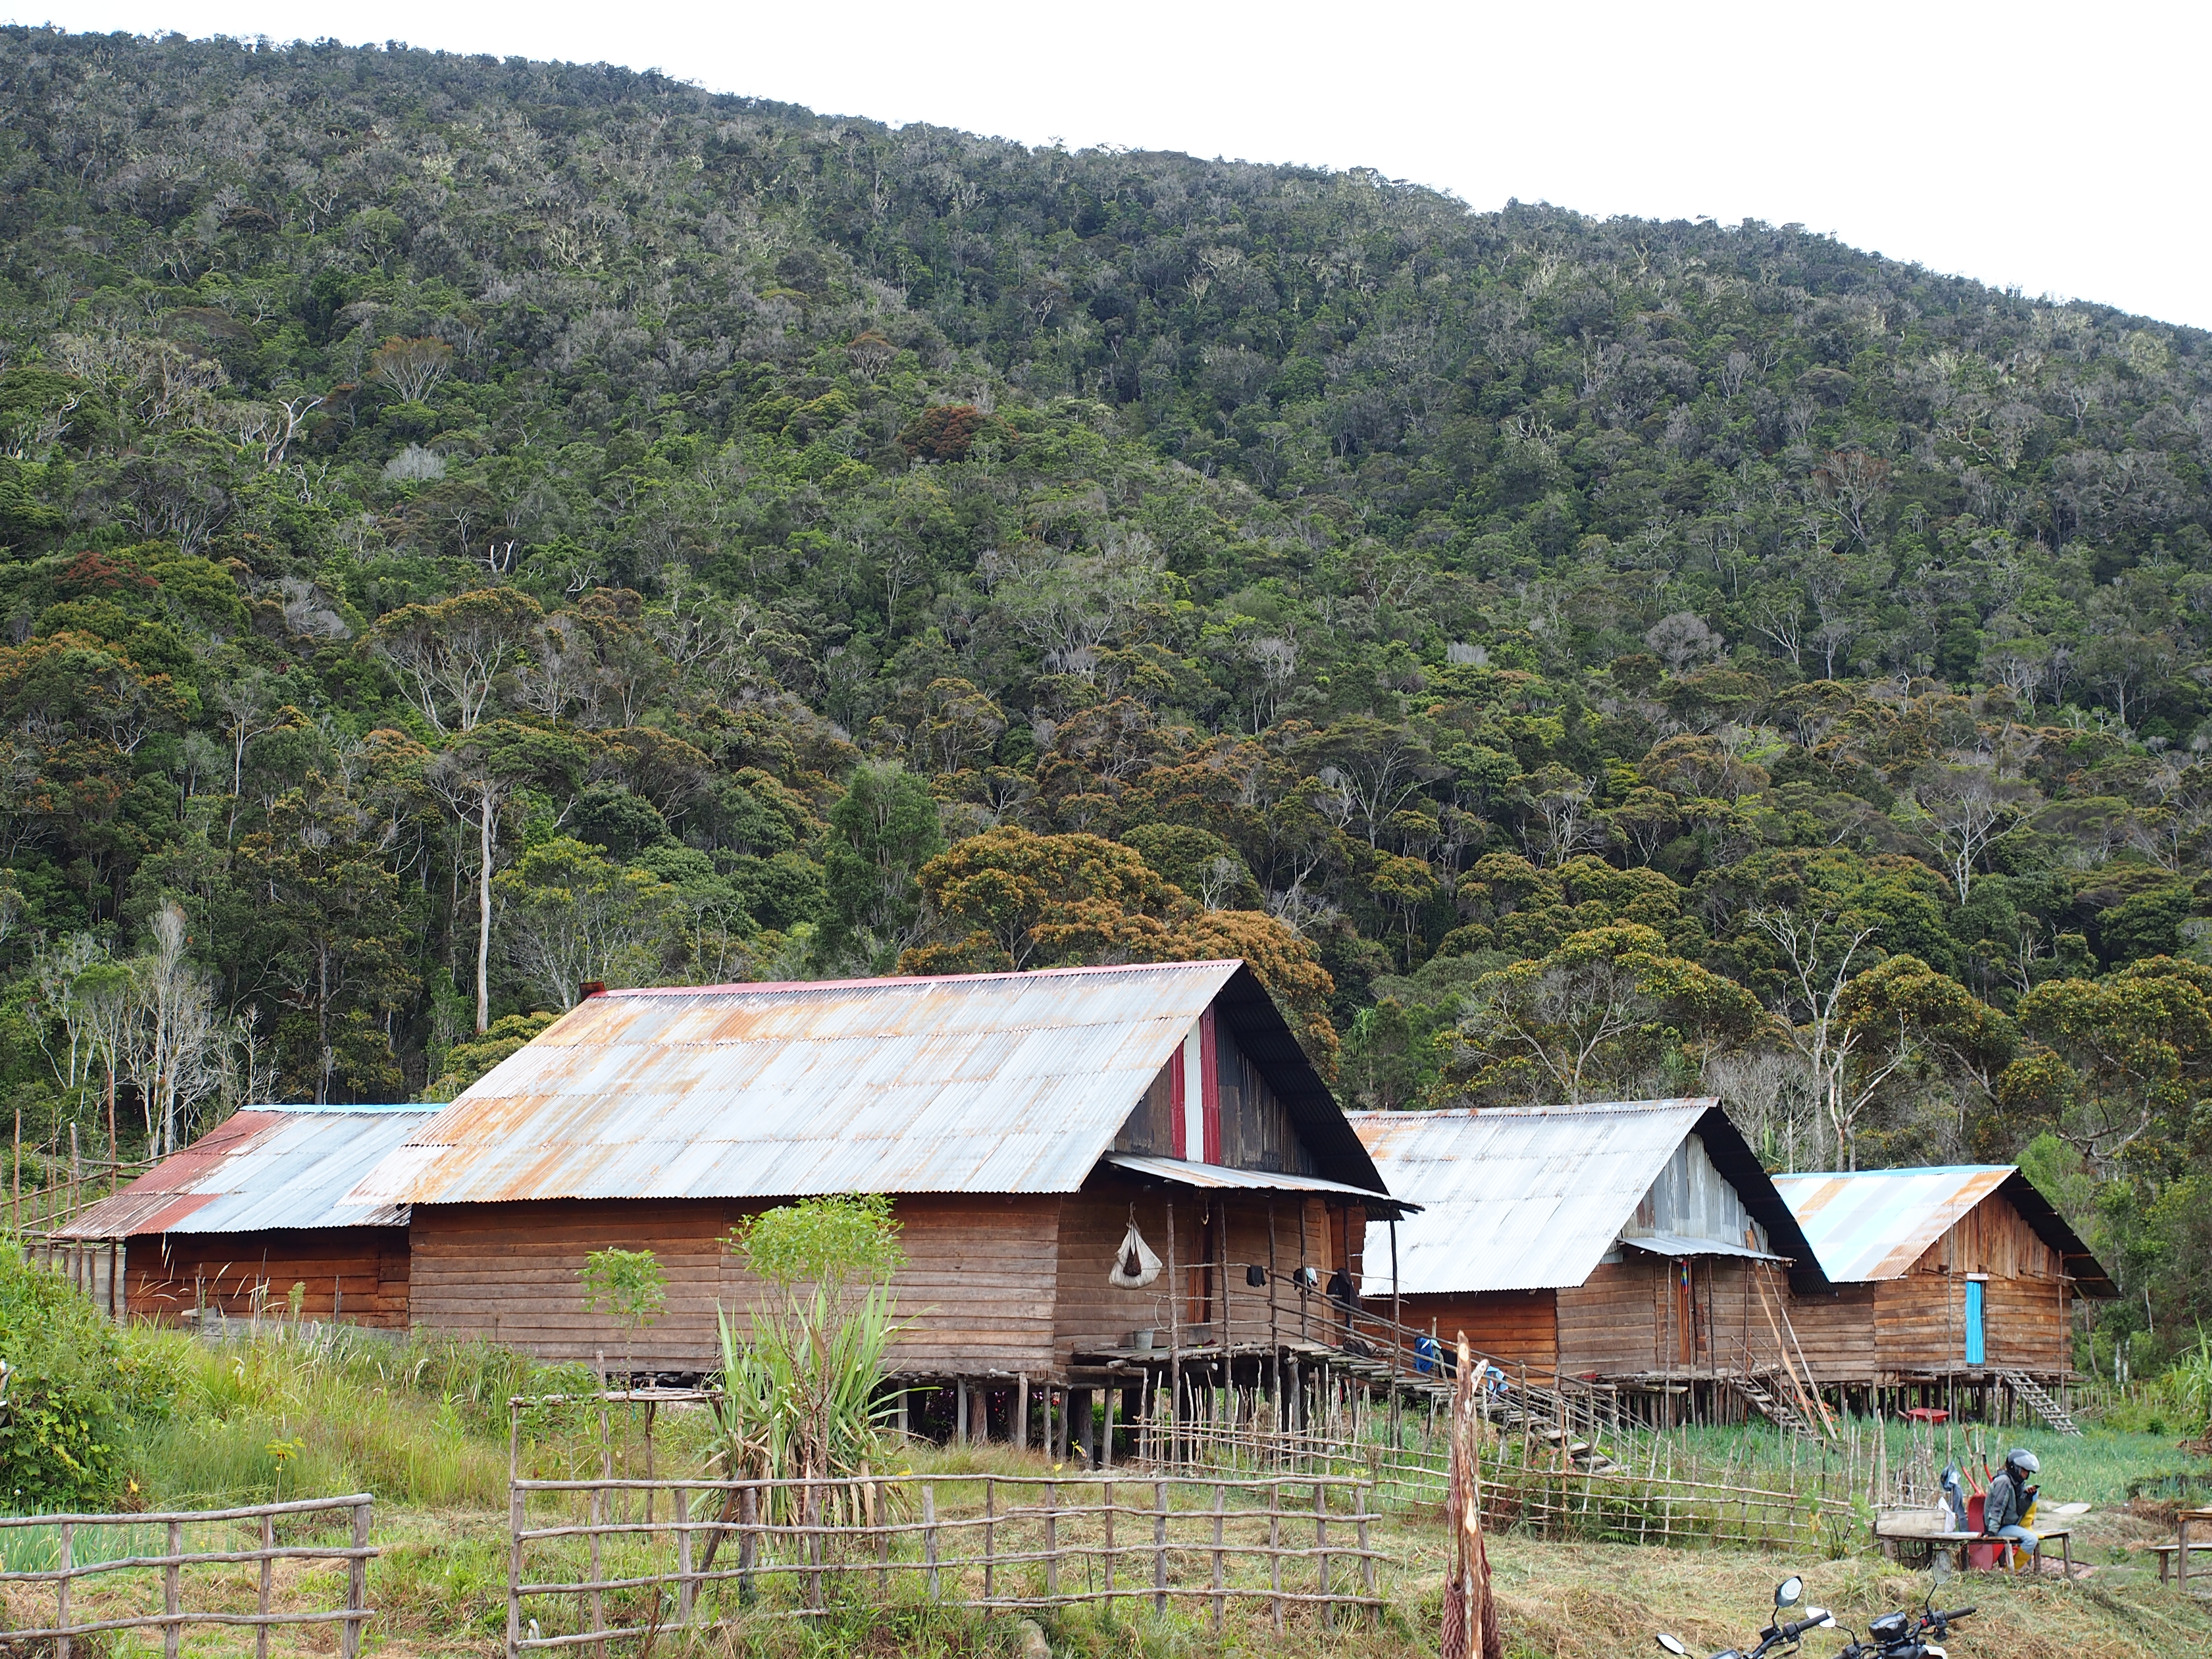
477	527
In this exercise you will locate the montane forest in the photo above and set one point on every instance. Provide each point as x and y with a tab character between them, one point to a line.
471	528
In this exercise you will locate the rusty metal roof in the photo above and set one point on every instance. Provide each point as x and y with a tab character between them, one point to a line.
1532	1198
1869	1224
264	1168
978	1083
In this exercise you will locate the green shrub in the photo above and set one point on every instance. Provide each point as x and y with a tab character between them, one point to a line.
67	1391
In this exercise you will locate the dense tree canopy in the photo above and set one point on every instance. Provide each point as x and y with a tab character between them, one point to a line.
473	527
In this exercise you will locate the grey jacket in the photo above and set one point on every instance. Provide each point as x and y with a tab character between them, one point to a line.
2005	1505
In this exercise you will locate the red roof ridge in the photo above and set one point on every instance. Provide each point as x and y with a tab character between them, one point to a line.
912	978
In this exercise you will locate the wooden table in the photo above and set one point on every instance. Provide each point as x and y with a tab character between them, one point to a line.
2181	1525
1958	1543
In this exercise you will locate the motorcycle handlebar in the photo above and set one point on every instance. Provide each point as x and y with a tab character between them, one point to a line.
1955	1613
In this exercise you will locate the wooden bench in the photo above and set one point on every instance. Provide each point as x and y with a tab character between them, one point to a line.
2180	1554
2167	1553
1895	1537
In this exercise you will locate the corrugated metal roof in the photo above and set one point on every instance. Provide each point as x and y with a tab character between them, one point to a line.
979	1083
1874	1223
1218	1177
266	1167
1519	1197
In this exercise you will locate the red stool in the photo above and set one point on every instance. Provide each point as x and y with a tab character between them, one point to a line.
1982	1557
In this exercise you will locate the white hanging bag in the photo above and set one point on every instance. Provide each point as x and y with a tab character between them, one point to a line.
1134	1264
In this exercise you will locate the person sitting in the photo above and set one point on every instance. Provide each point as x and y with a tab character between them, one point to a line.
2005	1508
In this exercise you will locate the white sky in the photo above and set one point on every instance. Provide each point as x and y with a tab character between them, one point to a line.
2059	148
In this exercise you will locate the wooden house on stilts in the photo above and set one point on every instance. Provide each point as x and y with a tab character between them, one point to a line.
1022	1123
1637	1247
1951	1287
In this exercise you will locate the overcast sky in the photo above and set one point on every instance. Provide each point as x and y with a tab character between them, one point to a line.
2057	149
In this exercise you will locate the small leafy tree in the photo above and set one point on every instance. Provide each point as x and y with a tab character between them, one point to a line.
629	1287
799	1398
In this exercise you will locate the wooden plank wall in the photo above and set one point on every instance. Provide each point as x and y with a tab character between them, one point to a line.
1919	1322
1519	1327
1611	1323
1634	1317
977	1287
511	1273
1149	1130
1835	1331
360	1273
1256	1131
2029	1322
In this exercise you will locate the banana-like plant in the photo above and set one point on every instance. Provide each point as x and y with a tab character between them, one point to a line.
801	1373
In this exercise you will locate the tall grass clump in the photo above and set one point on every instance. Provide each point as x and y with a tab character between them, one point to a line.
2184	1388
800	1382
330	1409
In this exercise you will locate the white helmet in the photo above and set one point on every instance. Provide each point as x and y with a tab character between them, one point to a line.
2023	1459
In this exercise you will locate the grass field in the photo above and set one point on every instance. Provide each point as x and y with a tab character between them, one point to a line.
423	1425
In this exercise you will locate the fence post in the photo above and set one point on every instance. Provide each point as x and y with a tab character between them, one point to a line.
172	1633
1367	1564
356	1585
929	1536
685	1588
1275	1549
882	1521
1219	1495
748	1540
1320	1547
809	1516
1052	1539
595	1599
1160	1549
990	1530
1109	1543
268	1578
68	1561
514	1517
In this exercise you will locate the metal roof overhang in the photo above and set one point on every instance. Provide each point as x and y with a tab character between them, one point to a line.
1673	1244
1219	1177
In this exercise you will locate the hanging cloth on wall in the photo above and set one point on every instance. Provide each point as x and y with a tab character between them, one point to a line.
1134	1264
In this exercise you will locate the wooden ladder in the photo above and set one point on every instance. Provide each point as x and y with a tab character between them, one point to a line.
1773	1407
2026	1388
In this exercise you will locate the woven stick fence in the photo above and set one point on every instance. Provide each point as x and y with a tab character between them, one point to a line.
597	1571
84	1550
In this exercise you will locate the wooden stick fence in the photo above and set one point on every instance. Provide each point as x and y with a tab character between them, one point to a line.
68	1571
983	1541
1535	1489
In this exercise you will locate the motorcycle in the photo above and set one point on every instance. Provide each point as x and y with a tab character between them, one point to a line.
1782	1634
1900	1635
